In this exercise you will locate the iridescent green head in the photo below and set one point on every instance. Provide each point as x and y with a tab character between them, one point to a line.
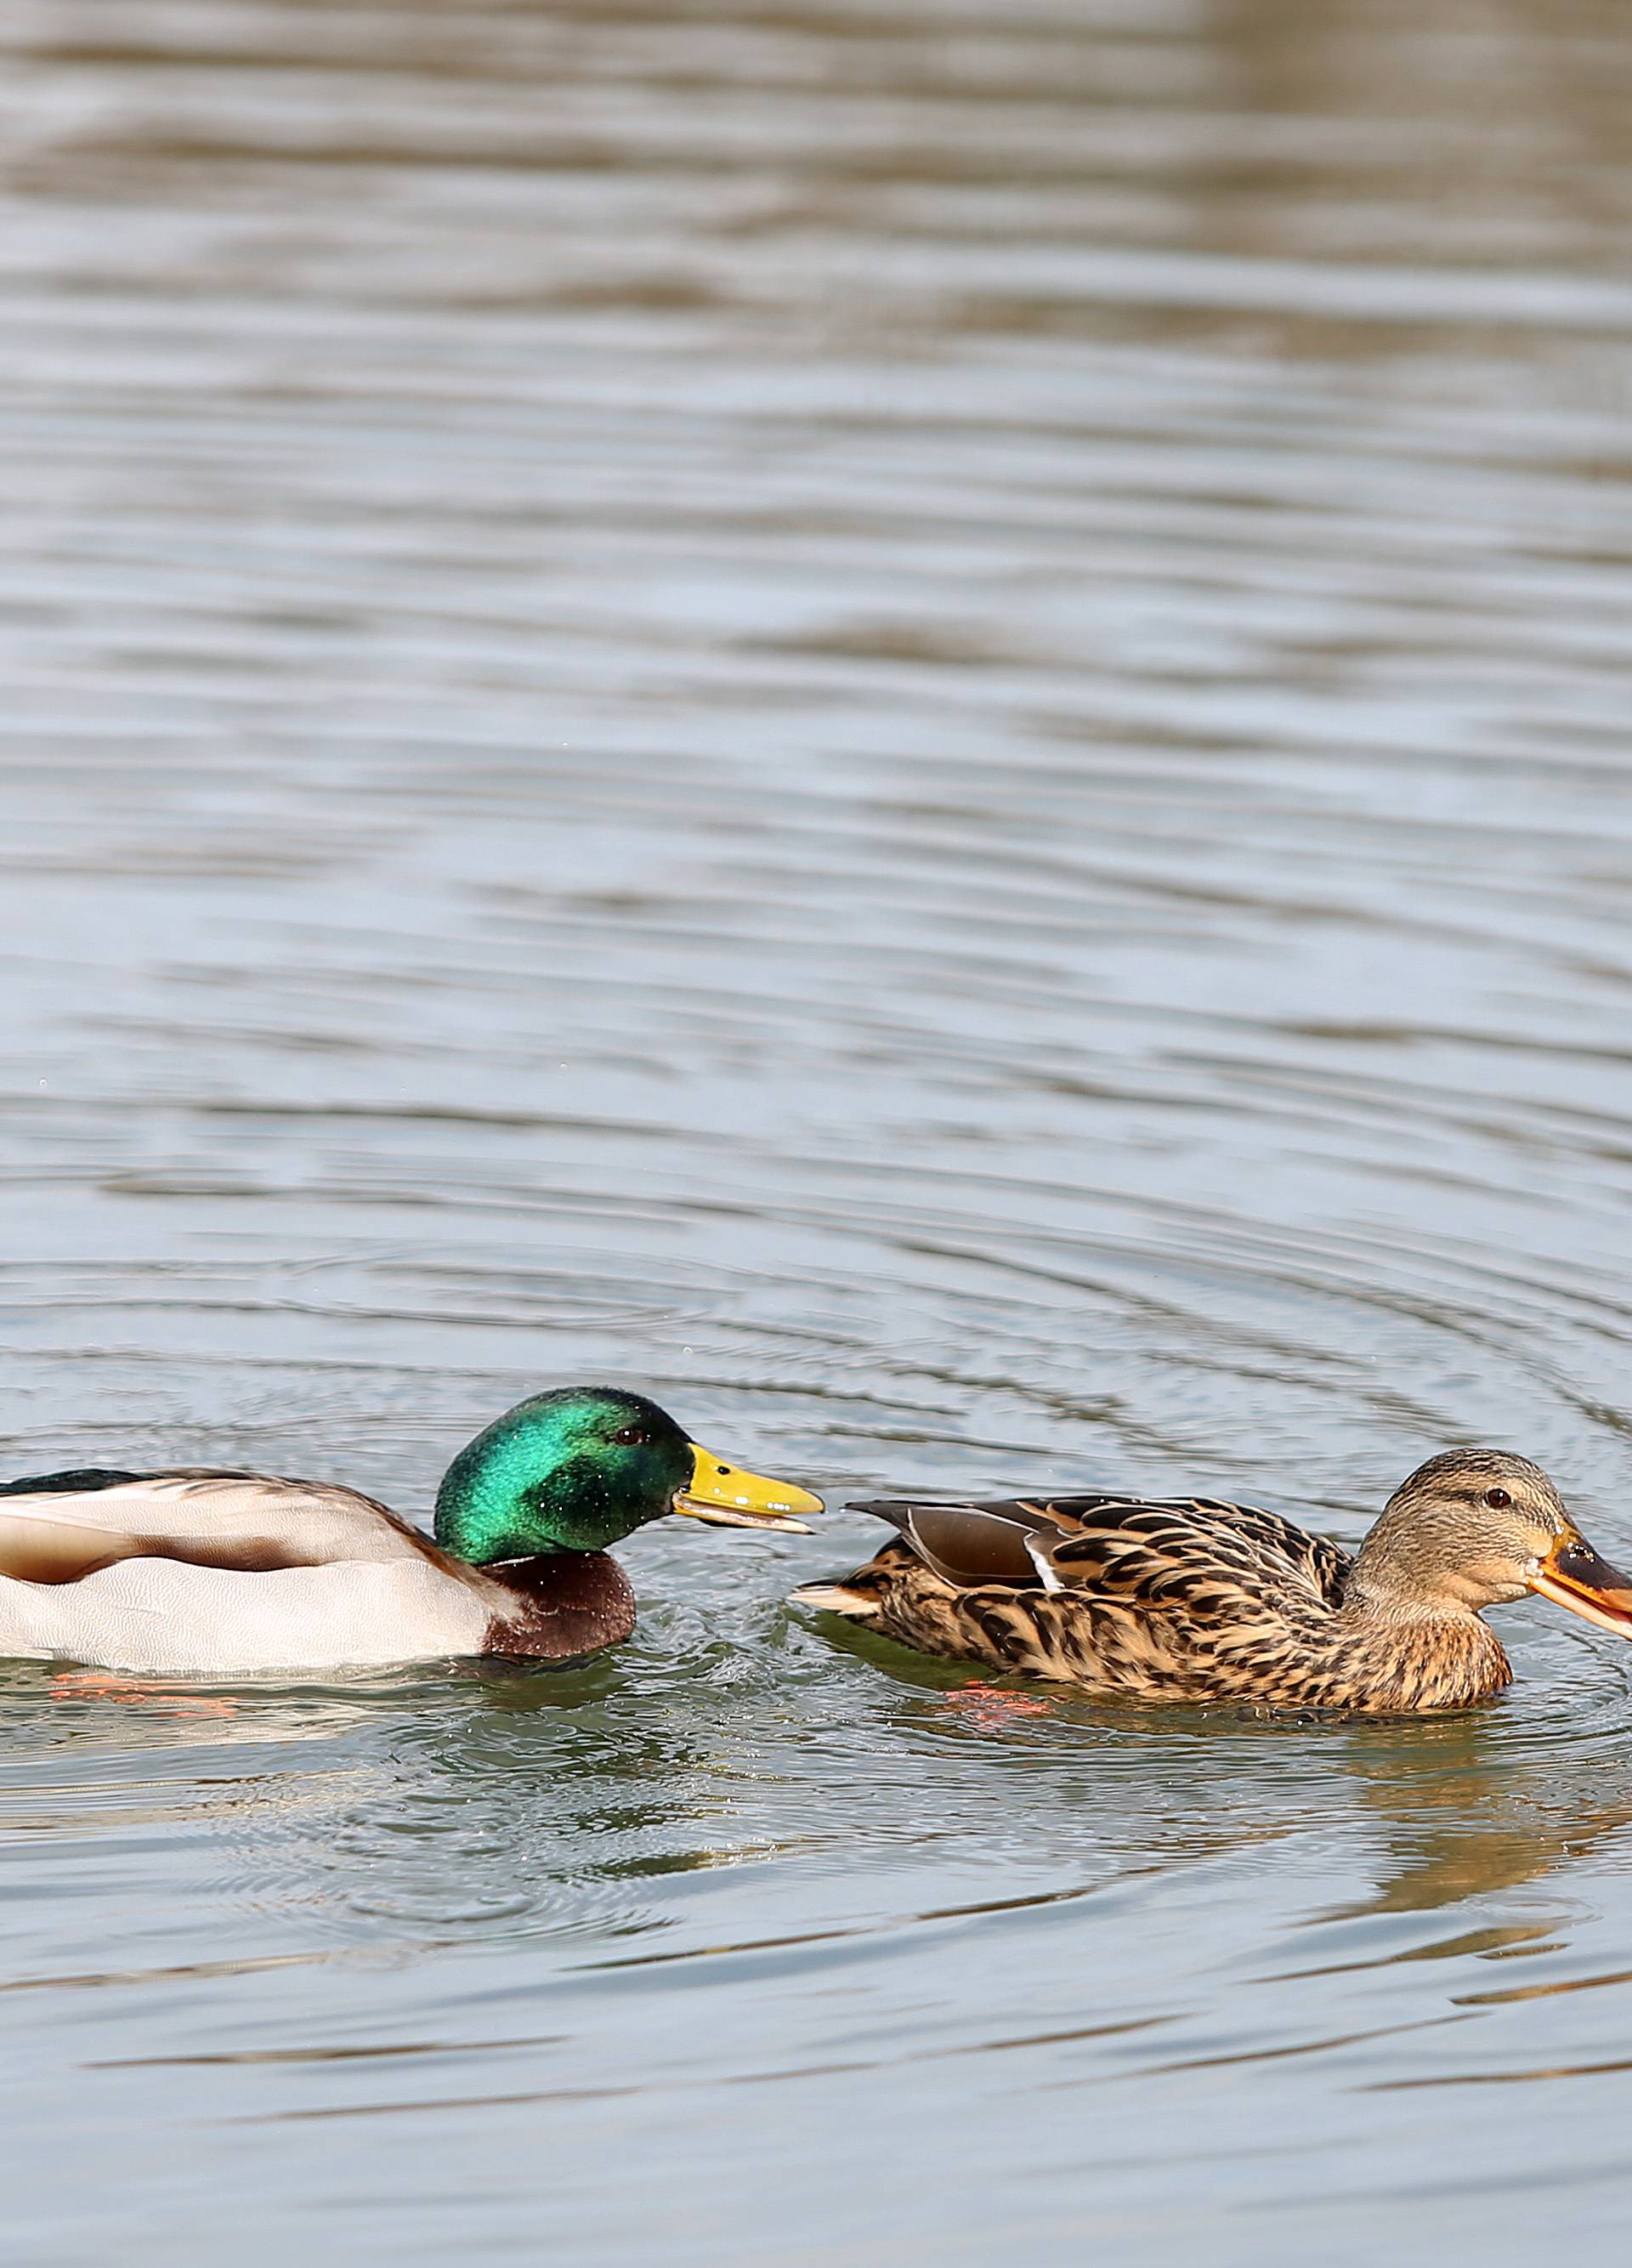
575	1470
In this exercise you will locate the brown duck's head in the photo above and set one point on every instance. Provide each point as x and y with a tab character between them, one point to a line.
1477	1528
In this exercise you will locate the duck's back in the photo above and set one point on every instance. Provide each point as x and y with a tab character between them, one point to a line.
1101	1540
1190	1545
55	1528
186	1572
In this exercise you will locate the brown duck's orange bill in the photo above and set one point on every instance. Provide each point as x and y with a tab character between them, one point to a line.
1574	1576
730	1498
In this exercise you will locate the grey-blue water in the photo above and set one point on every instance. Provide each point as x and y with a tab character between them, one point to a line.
912	720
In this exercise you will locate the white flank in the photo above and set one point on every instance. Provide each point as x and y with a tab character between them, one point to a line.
162	1617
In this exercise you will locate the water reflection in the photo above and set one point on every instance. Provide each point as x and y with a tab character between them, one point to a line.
545	1803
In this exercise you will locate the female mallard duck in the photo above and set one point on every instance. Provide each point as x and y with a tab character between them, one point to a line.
1193	1600
188	1573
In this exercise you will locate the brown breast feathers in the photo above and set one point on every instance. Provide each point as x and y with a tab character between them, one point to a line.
570	1602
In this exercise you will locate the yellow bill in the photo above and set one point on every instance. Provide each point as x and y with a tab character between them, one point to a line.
731	1498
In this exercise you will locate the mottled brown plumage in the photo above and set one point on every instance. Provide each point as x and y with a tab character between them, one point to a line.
1192	1599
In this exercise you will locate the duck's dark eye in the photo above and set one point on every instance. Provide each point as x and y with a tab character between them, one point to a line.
1498	1499
632	1436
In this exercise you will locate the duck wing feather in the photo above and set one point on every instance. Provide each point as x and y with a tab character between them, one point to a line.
56	1527
1008	1540
1156	1551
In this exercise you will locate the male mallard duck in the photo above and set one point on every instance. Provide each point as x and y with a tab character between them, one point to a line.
184	1573
1193	1600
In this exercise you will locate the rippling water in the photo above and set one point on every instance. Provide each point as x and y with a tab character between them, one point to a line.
912	720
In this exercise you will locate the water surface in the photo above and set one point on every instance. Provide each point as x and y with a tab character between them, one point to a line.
910	720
